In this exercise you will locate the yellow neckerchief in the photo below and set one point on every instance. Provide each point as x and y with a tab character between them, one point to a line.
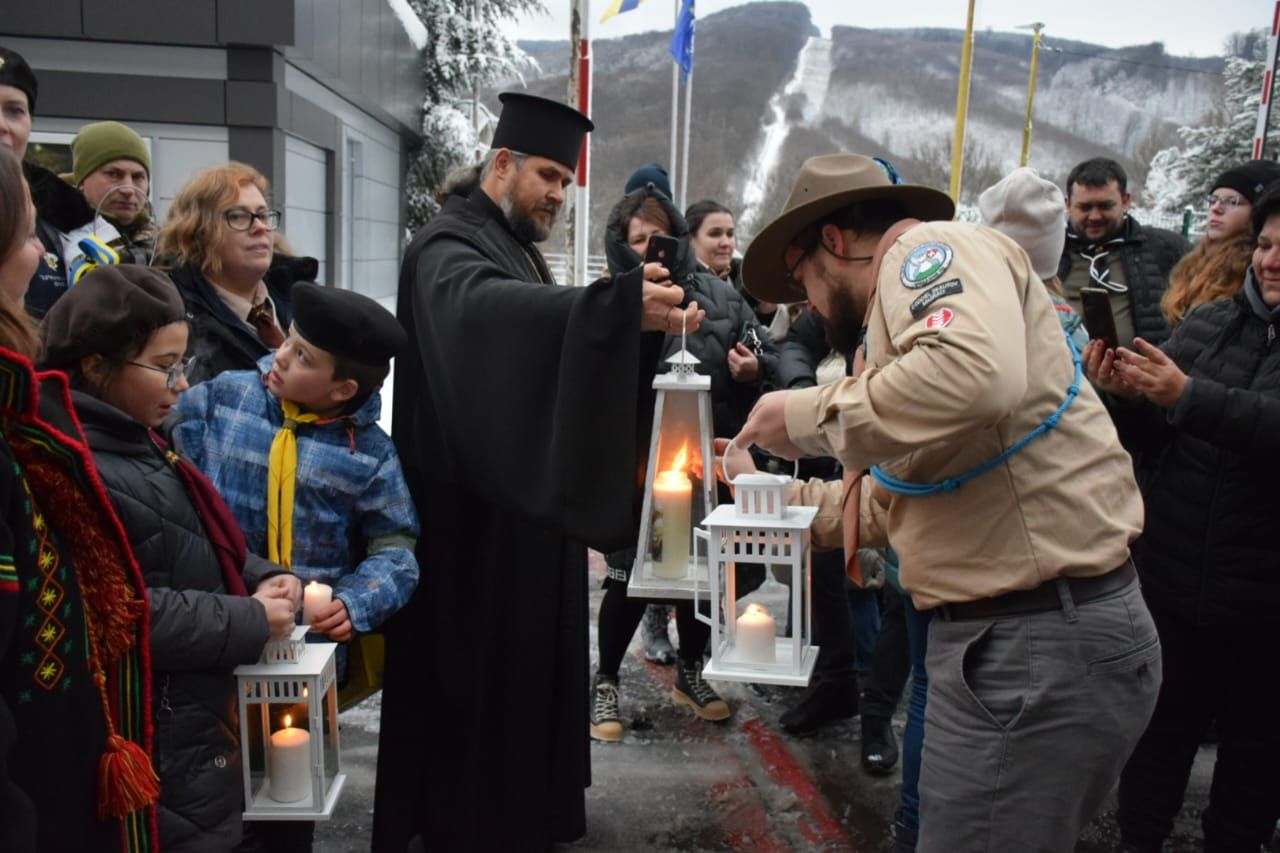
282	468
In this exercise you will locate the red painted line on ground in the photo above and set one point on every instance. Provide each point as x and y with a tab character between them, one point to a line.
820	826
746	823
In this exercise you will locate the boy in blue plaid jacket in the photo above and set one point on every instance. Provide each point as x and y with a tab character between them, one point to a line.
295	449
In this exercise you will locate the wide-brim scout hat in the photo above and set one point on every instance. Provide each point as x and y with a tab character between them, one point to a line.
827	184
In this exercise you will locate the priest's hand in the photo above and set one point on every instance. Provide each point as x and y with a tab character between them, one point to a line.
766	427
662	312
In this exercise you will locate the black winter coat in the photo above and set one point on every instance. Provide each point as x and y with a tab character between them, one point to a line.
1209	554
199	633
219	339
729	320
1148	254
802	350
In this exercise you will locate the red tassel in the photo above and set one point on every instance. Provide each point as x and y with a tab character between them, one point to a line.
126	781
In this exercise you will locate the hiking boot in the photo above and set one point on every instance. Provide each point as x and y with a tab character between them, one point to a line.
879	746
823	702
690	689
605	723
657	642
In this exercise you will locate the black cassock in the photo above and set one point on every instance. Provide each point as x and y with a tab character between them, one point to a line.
521	414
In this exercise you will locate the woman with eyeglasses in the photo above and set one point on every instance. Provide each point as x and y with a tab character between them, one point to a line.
220	236
1216	266
120	336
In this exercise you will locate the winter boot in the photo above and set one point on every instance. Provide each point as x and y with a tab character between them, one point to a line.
879	746
605	723
657	642
823	702
691	690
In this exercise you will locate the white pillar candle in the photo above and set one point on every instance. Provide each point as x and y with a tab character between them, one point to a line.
290	763
672	523
755	640
315	597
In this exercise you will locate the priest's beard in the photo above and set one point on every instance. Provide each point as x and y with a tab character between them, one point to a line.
523	225
843	321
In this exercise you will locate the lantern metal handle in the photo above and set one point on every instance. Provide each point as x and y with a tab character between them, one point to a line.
724	464
705	536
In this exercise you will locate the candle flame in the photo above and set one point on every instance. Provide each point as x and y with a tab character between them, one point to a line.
678	464
312	585
306	691
756	608
288	721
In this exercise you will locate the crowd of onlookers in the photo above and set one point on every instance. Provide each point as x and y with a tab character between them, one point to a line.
177	399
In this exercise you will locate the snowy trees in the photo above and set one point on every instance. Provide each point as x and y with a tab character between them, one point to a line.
465	51
1181	175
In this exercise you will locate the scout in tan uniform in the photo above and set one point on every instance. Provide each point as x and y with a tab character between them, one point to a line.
1043	661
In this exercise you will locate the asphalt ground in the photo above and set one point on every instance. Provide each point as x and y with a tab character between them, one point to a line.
678	783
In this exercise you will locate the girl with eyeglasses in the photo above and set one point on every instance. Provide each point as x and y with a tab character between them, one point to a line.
231	268
1216	266
120	336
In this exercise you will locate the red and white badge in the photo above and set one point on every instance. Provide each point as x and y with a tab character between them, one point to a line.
940	319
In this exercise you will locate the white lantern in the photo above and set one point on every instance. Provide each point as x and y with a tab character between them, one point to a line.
759	527
289	731
679	486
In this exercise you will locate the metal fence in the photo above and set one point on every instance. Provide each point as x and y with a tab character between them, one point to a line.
559	264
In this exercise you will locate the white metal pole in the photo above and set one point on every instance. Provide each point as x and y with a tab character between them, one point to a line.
675	109
684	162
582	190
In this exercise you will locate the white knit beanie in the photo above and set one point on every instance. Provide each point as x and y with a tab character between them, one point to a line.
1030	211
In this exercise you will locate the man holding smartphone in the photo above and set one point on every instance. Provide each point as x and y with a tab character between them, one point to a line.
996	475
1108	250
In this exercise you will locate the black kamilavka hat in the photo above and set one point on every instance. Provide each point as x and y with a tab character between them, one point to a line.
541	127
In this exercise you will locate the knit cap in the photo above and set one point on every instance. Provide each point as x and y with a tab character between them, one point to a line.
15	72
650	173
102	142
1249	179
1030	211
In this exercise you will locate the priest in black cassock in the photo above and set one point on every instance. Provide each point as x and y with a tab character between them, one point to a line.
521	416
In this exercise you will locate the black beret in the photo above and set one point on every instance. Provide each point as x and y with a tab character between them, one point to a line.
1250	179
346	324
111	308
15	72
541	127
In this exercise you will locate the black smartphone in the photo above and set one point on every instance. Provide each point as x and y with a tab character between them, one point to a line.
662	249
1098	319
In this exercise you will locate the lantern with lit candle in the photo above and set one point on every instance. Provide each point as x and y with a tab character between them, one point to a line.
289	731
679	486
759	527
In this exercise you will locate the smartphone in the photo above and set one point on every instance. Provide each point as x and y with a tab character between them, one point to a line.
1098	319
662	249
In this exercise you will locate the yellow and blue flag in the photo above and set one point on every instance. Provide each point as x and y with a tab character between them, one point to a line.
617	7
682	39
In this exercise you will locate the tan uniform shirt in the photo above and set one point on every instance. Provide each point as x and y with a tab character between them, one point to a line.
965	357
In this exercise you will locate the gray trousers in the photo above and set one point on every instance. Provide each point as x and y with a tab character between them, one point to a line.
1029	721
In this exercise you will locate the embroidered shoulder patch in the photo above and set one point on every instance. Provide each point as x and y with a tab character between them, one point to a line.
925	264
940	319
933	294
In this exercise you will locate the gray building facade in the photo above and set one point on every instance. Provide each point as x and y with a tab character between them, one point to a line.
322	96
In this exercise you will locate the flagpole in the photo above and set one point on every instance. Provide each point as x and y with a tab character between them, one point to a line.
675	107
684	163
962	108
1031	93
582	190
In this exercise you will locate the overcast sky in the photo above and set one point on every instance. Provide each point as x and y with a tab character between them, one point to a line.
1187	27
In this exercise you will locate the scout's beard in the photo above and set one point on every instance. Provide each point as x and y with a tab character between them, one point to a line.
526	228
844	317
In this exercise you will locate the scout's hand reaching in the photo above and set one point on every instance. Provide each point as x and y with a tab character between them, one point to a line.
662	312
333	622
766	427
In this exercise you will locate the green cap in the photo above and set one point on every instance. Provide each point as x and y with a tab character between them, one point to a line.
103	142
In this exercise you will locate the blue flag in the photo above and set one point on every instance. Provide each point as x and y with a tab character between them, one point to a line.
682	39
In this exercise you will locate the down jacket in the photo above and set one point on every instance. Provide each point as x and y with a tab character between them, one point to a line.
729	320
1209	554
199	632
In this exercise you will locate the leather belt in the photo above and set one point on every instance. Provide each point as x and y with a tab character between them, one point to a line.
1043	598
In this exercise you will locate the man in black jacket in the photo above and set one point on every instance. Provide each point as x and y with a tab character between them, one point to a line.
1109	249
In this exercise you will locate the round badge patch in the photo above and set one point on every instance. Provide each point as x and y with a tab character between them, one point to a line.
940	319
925	264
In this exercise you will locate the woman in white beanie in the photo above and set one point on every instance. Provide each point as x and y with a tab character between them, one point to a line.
1029	210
